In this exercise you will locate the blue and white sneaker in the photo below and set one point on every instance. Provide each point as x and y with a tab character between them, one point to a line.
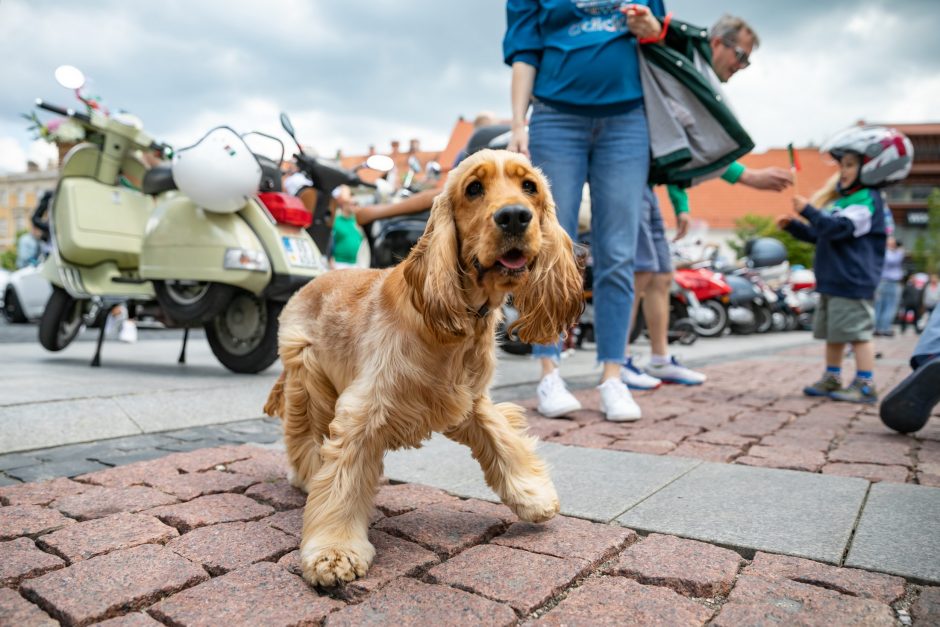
674	372
636	379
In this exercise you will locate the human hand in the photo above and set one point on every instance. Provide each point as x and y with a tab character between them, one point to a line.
799	203
519	140
641	21
783	222
682	226
771	179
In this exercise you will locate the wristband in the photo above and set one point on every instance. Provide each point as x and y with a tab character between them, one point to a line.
662	32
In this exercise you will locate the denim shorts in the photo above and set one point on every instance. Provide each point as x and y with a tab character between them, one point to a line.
652	247
611	154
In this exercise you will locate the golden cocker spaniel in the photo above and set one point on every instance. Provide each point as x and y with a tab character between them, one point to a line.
378	359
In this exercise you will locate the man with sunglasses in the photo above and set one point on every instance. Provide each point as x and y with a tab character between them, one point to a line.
732	42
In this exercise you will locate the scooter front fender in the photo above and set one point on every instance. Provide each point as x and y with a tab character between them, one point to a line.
185	242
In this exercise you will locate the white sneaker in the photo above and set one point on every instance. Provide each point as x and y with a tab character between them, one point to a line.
617	402
554	398
128	332
674	372
635	378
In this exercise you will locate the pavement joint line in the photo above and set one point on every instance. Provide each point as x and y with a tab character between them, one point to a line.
659	489
126	413
858	519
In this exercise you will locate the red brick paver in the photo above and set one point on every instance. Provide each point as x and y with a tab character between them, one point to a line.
411	603
20	559
523	580
394	500
568	537
103	535
29	520
617	601
98	502
262	594
15	611
851	581
689	567
443	530
40	493
112	584
225	547
211	510
278	494
758	601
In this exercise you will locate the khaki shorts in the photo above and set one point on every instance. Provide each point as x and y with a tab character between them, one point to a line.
839	320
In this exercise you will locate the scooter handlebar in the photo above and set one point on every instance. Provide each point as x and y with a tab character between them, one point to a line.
69	113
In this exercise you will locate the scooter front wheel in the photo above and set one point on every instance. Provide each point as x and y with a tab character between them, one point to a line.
61	320
243	336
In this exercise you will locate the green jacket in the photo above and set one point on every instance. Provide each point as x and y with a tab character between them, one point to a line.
694	135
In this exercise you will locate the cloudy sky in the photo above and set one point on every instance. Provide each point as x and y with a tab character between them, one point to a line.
353	73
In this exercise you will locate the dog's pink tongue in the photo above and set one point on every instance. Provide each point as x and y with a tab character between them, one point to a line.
513	262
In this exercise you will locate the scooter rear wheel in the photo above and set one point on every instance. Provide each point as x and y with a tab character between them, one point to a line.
61	320
188	302
243	336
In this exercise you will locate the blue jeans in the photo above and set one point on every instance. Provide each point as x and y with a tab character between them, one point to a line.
928	346
612	155
887	297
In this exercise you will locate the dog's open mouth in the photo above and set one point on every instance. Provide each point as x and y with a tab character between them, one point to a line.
512	262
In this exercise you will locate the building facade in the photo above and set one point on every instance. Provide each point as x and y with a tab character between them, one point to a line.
19	194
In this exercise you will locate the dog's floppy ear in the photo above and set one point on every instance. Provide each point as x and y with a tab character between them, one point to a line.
552	298
432	271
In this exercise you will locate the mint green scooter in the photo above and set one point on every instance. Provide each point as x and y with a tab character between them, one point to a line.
210	240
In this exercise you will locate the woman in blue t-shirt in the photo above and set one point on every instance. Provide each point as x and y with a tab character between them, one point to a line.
576	62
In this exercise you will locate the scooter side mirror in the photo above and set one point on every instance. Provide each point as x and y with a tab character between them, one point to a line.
381	163
69	77
287	126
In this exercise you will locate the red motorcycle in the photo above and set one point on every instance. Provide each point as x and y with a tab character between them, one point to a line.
707	297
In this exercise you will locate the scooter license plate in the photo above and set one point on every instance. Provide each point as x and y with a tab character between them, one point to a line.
300	252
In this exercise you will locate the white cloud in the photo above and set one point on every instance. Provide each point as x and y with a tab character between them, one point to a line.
12	155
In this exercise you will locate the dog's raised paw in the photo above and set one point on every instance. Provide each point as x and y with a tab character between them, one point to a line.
536	511
335	566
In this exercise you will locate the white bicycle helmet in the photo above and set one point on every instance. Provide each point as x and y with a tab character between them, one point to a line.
887	155
218	172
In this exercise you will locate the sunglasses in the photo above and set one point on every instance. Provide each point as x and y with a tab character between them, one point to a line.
740	55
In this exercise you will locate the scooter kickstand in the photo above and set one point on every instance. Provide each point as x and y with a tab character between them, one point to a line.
182	359
96	360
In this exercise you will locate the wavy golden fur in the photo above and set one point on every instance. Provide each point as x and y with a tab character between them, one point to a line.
378	359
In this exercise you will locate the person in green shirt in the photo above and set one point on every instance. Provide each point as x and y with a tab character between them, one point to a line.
732	42
347	236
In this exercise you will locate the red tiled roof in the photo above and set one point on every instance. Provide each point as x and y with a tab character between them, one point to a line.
721	204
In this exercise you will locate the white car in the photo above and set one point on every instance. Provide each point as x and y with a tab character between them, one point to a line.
25	294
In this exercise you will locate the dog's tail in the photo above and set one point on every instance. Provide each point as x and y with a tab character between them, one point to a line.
275	404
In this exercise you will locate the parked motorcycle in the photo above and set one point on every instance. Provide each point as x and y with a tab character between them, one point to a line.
210	238
320	177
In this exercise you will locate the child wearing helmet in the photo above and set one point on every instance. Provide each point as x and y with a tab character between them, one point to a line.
846	221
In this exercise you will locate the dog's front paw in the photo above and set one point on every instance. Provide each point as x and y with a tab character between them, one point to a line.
337	564
537	505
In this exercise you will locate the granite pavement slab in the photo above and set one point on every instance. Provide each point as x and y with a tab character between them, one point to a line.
781	511
899	532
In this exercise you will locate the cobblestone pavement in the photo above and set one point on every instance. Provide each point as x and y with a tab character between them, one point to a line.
195	527
753	412
164	541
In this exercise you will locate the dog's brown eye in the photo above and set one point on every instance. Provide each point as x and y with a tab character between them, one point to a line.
474	189
529	187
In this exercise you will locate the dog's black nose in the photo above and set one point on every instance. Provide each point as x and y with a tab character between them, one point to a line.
513	219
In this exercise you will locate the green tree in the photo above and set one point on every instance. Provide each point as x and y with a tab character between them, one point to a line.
752	226
926	250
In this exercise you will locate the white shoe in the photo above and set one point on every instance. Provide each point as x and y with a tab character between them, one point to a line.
674	372
128	332
635	378
617	402
554	398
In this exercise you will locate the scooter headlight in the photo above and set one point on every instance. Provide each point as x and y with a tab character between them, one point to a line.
244	259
